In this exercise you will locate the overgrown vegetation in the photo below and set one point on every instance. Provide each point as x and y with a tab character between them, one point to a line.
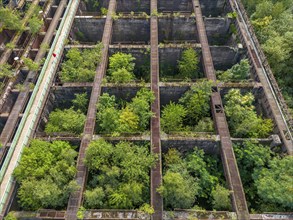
273	23
238	72
121	67
192	113
267	178
188	64
10	19
45	175
242	117
69	120
35	24
187	67
80	65
6	71
193	181
31	65
128	117
119	175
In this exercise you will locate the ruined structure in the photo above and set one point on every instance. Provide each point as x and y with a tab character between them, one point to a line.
155	32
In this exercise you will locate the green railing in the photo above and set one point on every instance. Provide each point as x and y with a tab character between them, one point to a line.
61	35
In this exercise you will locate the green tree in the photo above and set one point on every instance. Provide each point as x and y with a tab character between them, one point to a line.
94	198
121	76
134	117
31	65
221	198
35	24
273	23
10	216
80	65
205	125
188	65
10	19
80	102
6	70
172	117
67	120
274	184
242	117
196	175
239	71
141	105
120	174
128	121
121	67
251	158
197	166
197	101
45	175
177	191
108	120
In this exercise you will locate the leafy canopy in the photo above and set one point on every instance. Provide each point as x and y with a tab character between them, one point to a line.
119	175
274	184
80	65
45	174
267	178
10	19
187	181
192	112
188	64
69	120
134	117
121	67
242	117
273	23
172	117
239	71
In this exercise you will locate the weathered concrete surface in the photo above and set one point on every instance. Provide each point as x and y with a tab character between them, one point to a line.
88	29
177	29
174	5
218	30
131	30
213	8
209	7
225	57
136	30
210	146
132	5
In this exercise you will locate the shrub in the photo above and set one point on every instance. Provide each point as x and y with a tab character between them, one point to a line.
188	65
121	67
119	175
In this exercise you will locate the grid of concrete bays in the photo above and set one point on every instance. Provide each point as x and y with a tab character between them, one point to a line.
176	31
